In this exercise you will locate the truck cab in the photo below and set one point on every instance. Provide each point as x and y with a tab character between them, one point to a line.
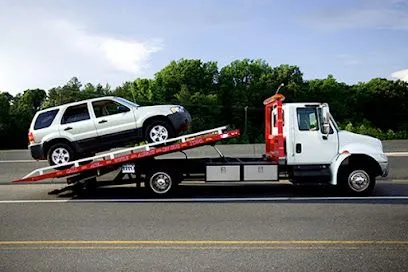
305	138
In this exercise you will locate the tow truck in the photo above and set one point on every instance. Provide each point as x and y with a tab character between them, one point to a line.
303	144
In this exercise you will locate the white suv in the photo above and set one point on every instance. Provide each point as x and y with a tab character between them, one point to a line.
77	130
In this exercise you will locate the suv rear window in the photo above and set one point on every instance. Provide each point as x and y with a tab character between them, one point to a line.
45	119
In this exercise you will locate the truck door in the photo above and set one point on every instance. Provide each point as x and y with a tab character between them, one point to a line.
312	146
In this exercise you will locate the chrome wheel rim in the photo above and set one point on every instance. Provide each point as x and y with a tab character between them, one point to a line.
60	155
160	183
359	180
159	133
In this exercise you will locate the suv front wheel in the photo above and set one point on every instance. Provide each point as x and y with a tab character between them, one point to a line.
159	131
60	153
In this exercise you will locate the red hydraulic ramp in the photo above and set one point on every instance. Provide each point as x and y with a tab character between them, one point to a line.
131	154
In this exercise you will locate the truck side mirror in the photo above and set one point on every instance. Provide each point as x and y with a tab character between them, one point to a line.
326	129
326	121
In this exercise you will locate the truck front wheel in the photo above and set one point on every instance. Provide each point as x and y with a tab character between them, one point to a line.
357	181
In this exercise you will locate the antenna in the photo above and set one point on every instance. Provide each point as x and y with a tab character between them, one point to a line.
280	86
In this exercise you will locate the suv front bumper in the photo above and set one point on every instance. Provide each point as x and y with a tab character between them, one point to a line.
36	151
180	120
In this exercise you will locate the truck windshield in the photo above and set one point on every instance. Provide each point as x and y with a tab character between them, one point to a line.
334	122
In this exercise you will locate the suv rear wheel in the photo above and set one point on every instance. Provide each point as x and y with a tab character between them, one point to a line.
60	153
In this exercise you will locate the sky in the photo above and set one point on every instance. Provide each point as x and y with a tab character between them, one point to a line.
44	43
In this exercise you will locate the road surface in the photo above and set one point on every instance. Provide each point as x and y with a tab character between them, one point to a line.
256	228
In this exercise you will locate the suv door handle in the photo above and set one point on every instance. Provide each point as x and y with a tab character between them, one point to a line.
102	121
67	128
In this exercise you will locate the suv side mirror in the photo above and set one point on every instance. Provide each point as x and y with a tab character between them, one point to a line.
122	108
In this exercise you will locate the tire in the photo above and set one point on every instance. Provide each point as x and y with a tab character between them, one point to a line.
60	153
160	183
158	131
358	181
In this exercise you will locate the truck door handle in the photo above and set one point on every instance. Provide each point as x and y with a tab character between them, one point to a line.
298	148
67	128
102	121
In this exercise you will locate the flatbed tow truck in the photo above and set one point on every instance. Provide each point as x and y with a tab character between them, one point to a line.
303	144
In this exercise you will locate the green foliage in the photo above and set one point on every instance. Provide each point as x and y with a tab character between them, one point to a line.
231	95
74	91
366	128
4	116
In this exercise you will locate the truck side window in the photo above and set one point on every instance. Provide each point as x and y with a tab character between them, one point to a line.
307	119
108	107
75	114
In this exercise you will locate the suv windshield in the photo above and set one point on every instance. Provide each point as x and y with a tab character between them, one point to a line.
127	102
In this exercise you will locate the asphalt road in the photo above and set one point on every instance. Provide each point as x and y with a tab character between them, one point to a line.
217	236
195	192
209	228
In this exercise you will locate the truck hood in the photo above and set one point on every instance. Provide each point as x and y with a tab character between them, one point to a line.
358	142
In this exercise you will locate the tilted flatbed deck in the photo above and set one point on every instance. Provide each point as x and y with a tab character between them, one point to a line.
116	159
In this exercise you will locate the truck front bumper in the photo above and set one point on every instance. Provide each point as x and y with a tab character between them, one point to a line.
385	168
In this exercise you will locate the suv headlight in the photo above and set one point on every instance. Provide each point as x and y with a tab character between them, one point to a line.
177	109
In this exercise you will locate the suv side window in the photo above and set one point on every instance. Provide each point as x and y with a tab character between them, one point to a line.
307	119
75	114
108	107
45	119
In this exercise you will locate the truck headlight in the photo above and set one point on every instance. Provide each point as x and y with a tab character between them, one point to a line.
383	157
177	109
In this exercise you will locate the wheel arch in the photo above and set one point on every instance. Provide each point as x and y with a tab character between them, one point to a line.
345	160
48	144
158	118
148	121
362	160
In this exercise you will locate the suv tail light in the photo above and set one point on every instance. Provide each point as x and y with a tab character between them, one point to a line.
31	137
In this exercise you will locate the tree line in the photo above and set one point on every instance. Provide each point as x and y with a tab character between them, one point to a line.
231	95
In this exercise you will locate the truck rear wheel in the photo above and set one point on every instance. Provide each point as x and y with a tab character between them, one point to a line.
160	182
358	181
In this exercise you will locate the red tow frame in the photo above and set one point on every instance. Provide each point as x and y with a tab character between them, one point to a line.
188	144
274	143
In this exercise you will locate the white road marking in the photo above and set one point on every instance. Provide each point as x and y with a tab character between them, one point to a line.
397	154
18	161
250	199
